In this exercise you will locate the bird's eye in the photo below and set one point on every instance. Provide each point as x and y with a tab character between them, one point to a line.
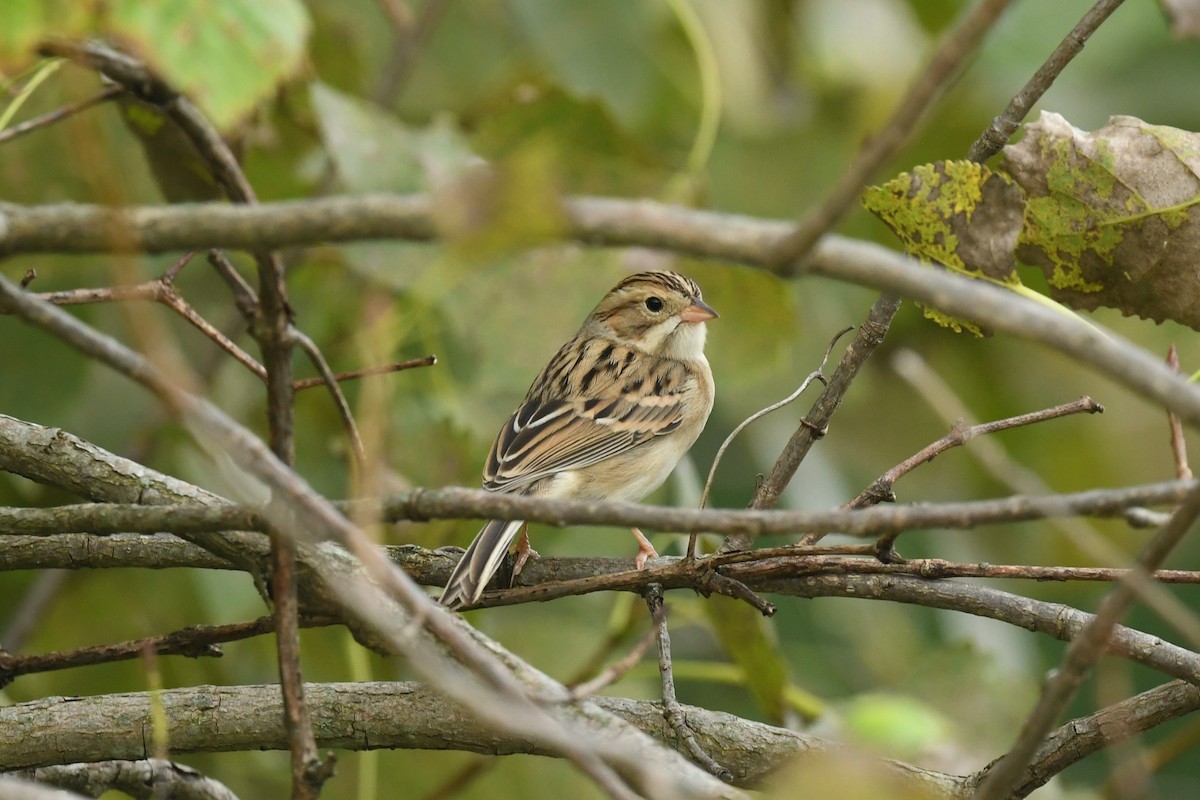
654	303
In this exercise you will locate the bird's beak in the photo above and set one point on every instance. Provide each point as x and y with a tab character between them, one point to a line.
698	311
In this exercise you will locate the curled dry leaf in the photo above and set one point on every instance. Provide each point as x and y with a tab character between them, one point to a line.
957	214
1112	216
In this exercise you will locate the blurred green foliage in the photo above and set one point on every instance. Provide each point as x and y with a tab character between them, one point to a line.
579	96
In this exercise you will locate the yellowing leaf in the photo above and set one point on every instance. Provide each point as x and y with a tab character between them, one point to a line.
750	642
957	214
1113	215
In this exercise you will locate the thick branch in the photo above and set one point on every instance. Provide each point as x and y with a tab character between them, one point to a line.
1053	619
352	716
595	221
145	779
57	458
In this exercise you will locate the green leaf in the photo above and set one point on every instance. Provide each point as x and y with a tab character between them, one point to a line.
613	66
27	22
750	642
181	173
589	149
372	150
901	726
226	55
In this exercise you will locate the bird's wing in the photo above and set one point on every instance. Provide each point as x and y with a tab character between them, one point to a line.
546	435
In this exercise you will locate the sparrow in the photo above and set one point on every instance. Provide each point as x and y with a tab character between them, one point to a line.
607	419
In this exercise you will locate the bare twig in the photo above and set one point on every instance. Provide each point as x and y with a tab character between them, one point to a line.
1083	652
160	290
16	131
194	642
1003	126
618	668
813	425
457	503
955	48
1178	443
339	398
244	296
33	604
880	489
410	37
991	454
816	375
672	711
308	383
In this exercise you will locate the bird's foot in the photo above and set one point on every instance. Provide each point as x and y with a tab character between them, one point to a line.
524	551
645	549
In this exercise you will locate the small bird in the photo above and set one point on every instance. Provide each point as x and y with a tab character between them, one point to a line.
607	419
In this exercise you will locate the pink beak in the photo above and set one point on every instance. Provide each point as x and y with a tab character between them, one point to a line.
698	311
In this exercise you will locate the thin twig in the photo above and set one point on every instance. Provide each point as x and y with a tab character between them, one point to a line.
193	642
991	454
815	375
244	296
458	503
774	563
34	603
672	711
410	37
813	425
1003	126
159	290
882	488
1081	655
954	50
16	131
308	383
1178	443
339	398
617	670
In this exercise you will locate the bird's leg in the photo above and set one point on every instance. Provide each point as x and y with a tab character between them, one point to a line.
645	549
524	551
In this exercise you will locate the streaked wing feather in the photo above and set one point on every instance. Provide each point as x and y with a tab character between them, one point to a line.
576	438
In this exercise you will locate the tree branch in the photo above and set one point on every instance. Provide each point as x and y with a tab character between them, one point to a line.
955	48
144	779
356	716
1006	124
1086	648
595	221
457	503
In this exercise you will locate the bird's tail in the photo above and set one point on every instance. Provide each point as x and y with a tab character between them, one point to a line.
481	561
